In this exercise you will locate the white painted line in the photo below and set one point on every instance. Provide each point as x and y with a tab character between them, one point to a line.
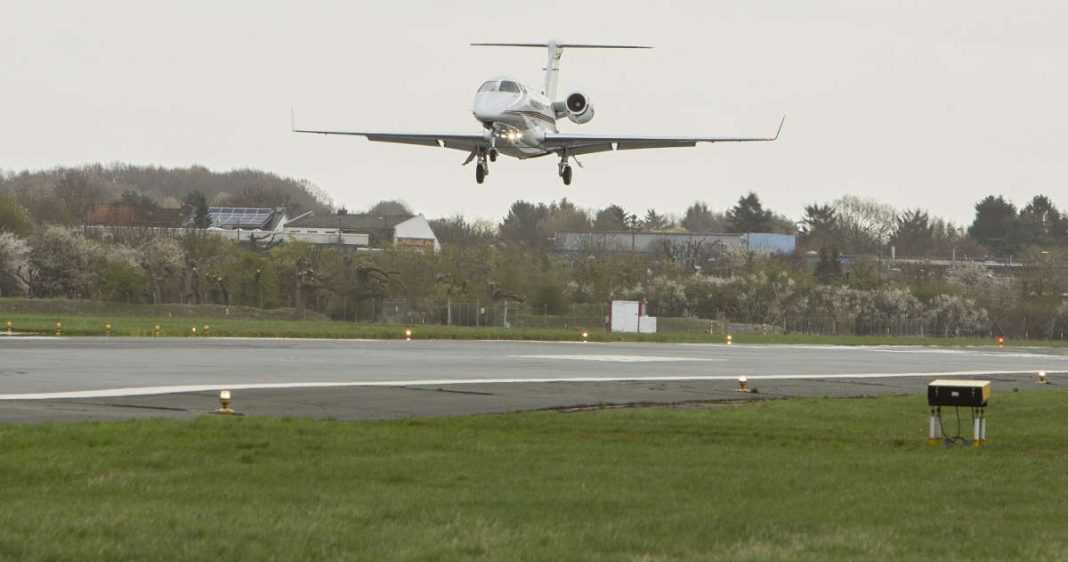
155	390
615	358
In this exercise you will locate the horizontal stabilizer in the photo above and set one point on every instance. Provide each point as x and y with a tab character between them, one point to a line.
560	45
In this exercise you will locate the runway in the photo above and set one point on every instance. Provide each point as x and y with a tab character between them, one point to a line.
47	374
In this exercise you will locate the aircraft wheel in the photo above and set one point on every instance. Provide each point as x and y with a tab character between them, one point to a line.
480	173
493	156
566	175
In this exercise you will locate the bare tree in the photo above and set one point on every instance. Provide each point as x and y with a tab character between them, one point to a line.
865	225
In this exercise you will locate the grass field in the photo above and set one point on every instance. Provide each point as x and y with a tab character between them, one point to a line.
80	325
806	479
89	318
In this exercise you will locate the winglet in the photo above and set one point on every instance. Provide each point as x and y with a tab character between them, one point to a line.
776	137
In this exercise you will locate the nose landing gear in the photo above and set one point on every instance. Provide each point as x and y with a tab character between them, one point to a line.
482	167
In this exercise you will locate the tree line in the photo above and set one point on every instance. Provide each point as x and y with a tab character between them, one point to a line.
513	261
63	196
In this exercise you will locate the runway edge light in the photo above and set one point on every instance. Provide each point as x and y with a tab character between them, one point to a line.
1042	378
224	401
743	384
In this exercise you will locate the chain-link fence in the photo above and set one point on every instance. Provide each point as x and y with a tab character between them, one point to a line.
487	313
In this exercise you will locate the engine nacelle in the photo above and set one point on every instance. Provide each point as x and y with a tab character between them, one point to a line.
578	108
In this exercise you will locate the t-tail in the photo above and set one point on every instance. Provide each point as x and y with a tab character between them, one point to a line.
552	64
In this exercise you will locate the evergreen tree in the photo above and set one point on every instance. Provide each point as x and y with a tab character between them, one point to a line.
914	235
698	218
828	269
524	223
1041	223
199	208
819	227
654	221
610	218
996	225
135	199
748	215
566	217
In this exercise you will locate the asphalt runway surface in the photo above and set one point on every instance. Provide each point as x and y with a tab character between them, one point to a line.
70	379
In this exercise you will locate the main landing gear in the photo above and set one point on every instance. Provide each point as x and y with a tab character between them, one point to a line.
564	169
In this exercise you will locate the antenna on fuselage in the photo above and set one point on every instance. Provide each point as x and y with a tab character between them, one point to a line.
552	64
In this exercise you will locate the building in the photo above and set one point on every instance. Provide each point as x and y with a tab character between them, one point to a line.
402	231
248	218
678	245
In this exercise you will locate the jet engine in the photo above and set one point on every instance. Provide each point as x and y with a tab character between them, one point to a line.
578	107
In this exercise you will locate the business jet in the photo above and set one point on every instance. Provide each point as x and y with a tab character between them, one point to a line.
520	122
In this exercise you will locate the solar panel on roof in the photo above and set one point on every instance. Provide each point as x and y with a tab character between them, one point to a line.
241	217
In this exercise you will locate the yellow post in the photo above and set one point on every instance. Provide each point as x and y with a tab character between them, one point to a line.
59	328
9	332
107	329
730	339
155	331
224	402
207	330
408	335
585	337
194	330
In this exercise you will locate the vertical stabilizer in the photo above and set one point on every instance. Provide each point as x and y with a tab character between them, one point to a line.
552	70
552	63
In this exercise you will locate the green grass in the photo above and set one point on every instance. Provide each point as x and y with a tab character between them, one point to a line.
806	479
143	326
88	318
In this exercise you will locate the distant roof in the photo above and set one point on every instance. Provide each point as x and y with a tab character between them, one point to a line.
349	222
252	218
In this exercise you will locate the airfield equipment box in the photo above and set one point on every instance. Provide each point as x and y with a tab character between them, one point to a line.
970	393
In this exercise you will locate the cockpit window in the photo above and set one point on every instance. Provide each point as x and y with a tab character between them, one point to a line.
490	86
507	86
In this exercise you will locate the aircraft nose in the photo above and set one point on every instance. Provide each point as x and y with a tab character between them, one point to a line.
490	107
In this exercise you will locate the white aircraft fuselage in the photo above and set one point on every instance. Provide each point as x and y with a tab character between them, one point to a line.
516	120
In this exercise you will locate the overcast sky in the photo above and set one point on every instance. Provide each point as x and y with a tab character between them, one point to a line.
929	104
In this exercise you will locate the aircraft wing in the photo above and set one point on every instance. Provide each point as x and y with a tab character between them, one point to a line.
459	141
578	144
